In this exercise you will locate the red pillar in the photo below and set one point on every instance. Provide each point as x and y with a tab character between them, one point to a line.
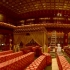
65	38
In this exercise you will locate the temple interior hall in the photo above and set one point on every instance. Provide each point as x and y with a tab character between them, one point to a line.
34	34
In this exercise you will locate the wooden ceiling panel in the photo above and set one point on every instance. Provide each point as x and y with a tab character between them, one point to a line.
47	0
56	0
43	1
66	2
52	0
61	4
38	2
27	0
52	4
22	9
62	1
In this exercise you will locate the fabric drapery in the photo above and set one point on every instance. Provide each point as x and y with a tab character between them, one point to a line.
40	37
22	37
26	39
17	38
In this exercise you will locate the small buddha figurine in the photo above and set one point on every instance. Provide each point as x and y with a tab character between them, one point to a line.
10	43
58	48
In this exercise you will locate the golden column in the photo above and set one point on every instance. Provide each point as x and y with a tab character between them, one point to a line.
10	40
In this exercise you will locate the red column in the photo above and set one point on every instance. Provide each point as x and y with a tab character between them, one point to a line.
65	38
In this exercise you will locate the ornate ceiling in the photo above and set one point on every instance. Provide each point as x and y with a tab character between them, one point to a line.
23	9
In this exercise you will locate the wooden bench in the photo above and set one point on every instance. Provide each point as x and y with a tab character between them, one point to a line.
19	63
62	63
38	64
6	52
6	57
48	58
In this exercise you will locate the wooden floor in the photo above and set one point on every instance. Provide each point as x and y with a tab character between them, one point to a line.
54	64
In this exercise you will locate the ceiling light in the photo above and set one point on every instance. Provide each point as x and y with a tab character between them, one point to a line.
24	7
19	11
65	4
60	8
4	0
19	3
7	2
56	6
36	7
68	18
12	6
44	6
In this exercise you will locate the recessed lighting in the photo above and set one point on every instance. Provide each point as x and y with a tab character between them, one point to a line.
56	6
7	2
19	3
44	6
19	11
24	7
60	8
36	7
65	4
12	6
4	0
